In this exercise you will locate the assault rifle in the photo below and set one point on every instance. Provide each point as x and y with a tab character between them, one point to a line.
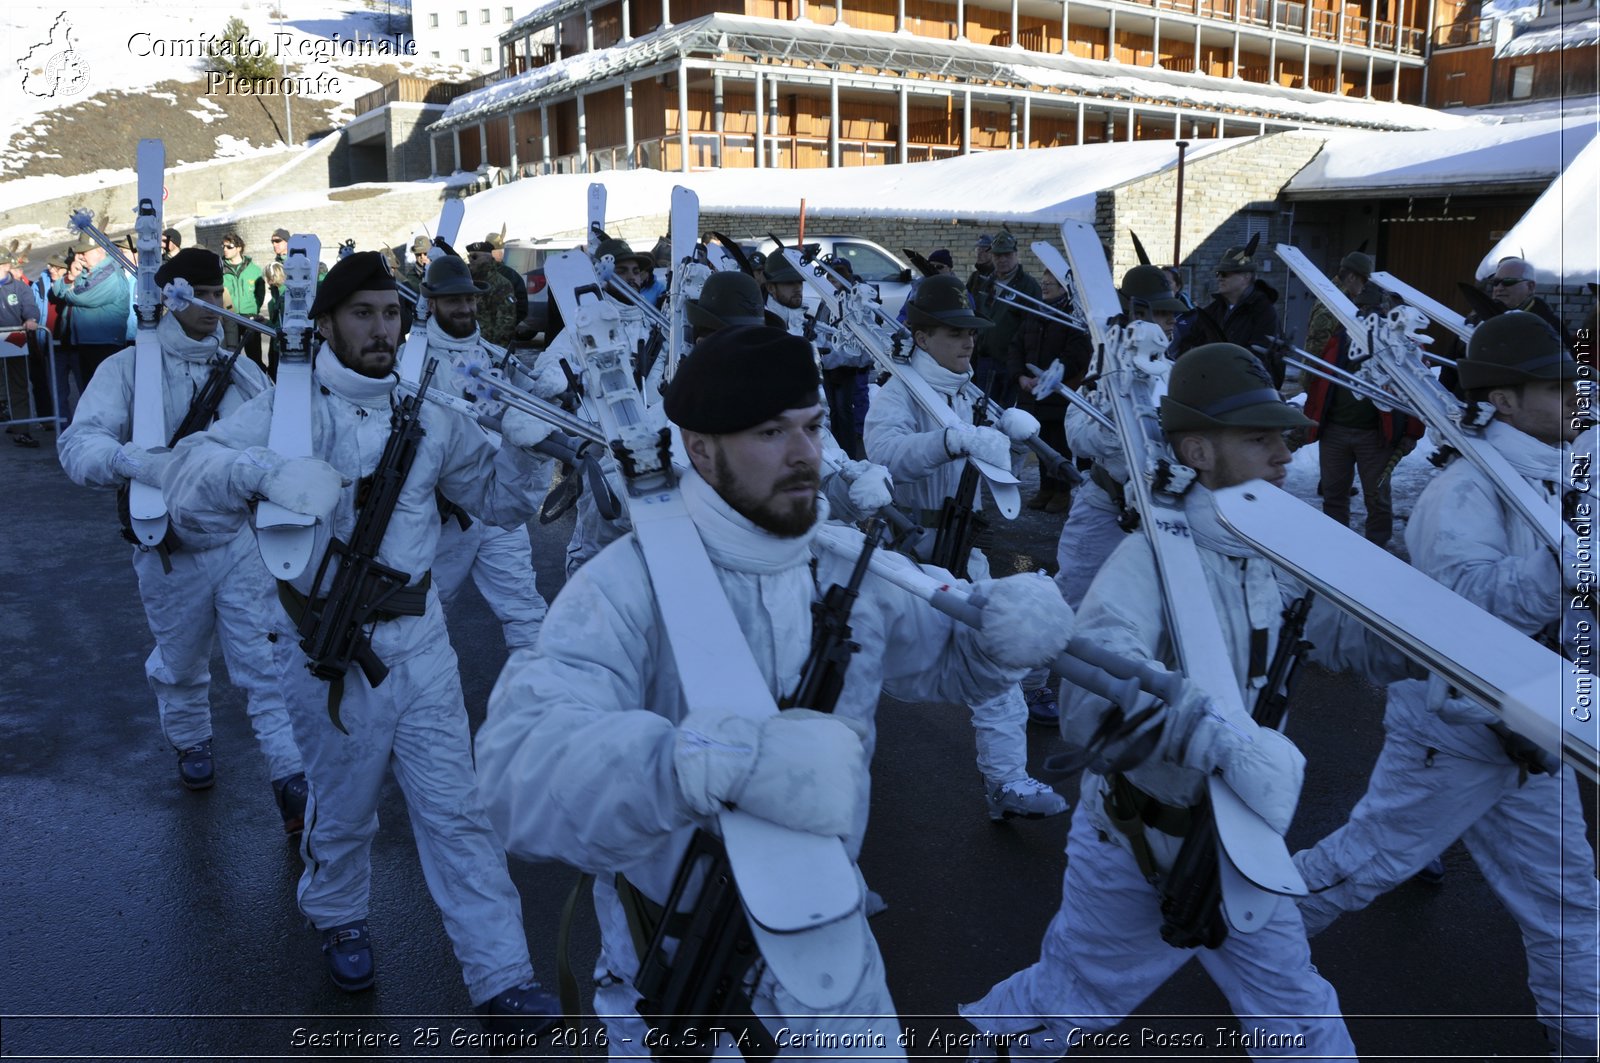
831	645
334	626
959	522
1191	893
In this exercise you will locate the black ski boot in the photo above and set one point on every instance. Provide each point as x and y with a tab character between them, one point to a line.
195	769
290	792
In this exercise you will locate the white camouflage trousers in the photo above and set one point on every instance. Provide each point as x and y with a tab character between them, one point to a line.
1102	955
414	723
500	561
226	593
1435	782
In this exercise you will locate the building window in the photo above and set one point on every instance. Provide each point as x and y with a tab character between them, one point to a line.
506	17
488	56
433	20
461	18
433	55
1521	82
483	14
466	56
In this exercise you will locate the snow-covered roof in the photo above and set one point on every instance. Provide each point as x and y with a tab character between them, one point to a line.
1046	185
1526	153
758	37
1531	41
1560	234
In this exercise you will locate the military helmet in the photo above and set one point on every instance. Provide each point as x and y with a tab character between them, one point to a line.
1222	385
779	270
1515	347
729	298
1146	288
450	275
942	300
620	252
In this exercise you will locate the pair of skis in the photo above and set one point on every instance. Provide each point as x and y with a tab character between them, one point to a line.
146	507
800	891
1388	351
1253	864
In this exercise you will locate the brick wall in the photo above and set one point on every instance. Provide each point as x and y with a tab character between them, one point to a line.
1225	196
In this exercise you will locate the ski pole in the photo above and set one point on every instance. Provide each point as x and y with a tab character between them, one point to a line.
179	295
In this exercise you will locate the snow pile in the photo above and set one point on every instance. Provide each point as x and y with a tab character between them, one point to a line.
1470	157
1560	234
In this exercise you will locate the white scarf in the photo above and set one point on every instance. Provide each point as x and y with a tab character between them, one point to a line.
941	379
1262	599
733	541
183	346
1548	467
370	392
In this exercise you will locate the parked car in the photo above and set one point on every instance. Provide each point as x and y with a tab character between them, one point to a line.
527	258
870	261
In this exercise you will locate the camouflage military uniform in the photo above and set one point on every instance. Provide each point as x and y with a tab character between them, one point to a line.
497	309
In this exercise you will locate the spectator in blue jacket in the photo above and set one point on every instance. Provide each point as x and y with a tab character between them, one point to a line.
97	297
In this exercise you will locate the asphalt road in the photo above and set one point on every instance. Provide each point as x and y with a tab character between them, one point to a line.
142	921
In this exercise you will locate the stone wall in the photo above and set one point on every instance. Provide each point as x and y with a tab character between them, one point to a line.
407	139
373	215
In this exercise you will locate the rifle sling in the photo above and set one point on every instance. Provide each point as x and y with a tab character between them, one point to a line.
1130	810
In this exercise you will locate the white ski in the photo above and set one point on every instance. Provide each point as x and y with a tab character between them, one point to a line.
146	507
688	273
801	891
415	351
1388	351
284	537
1436	310
850	315
597	217
1132	357
1538	694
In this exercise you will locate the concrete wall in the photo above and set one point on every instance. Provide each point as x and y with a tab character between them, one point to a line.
374	215
407	139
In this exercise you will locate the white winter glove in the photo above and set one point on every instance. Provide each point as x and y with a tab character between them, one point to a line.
1026	622
799	769
550	379
1018	425
1260	765
137	463
524	430
870	486
985	444
304	485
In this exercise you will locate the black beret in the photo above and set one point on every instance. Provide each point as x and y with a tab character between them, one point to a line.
363	271
195	265
737	378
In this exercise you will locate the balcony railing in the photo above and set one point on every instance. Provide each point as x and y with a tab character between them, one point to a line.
1290	16
1464	34
410	90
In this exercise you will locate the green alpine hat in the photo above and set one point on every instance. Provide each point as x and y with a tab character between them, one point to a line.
1004	243
942	300
1236	260
778	270
421	245
1360	263
620	252
1222	385
1515	347
1146	287
450	275
729	299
